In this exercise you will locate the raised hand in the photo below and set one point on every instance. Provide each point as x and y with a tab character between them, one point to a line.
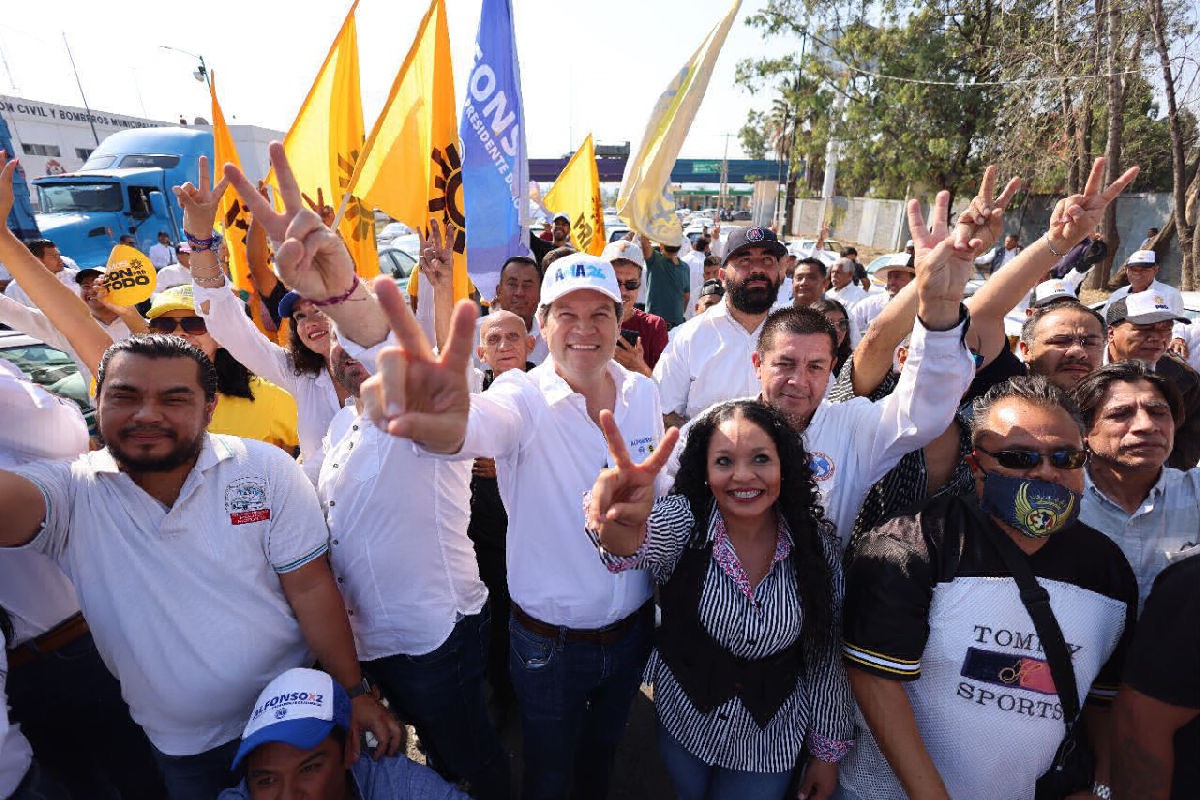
983	220
437	256
323	209
309	257
8	168
943	265
1076	216
415	394
200	203
623	494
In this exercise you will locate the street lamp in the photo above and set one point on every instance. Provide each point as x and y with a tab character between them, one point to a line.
201	73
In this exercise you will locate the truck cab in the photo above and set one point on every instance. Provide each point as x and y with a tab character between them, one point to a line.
124	188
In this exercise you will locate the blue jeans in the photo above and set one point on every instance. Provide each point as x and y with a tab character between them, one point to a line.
38	785
69	706
695	780
574	699
199	777
441	694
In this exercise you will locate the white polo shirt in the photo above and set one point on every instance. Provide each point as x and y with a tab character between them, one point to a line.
406	583
185	603
15	752
852	445
848	295
707	361
1164	528
316	397
548	452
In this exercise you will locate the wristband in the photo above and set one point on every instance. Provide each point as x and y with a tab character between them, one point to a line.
1050	247
203	245
333	301
209	281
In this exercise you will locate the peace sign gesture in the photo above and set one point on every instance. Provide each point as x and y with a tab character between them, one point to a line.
623	495
200	203
415	394
309	257
1076	216
437	256
981	224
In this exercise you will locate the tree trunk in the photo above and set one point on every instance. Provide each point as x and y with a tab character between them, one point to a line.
1184	230
1114	63
1068	110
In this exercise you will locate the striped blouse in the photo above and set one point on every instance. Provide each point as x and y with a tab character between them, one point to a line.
751	622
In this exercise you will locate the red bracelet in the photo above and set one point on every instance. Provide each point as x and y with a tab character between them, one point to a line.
333	301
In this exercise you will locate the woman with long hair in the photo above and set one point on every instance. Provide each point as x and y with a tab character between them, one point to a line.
835	312
747	669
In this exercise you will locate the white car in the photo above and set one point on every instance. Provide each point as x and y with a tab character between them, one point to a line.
391	231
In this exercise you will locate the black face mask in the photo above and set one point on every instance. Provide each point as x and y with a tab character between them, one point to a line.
1034	507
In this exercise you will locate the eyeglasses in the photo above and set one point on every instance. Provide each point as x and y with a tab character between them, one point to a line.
842	324
630	286
1064	342
192	325
1029	459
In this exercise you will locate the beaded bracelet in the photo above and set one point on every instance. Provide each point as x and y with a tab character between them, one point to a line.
203	245
333	301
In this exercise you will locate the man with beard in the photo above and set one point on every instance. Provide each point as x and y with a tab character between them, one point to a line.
198	559
1063	342
429	661
708	360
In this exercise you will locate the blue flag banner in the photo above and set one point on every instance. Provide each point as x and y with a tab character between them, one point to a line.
20	219
495	167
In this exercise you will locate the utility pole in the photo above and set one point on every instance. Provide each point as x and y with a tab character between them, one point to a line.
79	83
724	178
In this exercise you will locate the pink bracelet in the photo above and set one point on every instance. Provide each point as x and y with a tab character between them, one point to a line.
333	301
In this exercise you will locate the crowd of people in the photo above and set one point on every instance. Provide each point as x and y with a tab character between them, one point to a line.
864	543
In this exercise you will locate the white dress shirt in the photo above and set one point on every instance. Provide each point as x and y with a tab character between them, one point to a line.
695	261
864	313
161	255
66	276
707	361
1165	528
405	585
316	397
848	295
852	445
548	452
185	603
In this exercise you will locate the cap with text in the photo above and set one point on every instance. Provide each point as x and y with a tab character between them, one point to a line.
1142	258
1049	291
1143	308
300	708
742	239
579	271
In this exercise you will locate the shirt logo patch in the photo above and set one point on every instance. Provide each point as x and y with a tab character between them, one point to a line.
1008	670
822	466
246	501
642	447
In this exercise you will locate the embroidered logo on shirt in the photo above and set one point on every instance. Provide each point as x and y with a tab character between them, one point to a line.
246	501
1008	670
822	466
642	447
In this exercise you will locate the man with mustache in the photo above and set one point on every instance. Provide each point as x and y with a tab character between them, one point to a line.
1063	342
708	360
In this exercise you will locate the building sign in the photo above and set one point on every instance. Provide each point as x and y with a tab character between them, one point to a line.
36	111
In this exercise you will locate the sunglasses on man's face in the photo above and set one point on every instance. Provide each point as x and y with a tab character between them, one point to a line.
192	325
630	286
1029	459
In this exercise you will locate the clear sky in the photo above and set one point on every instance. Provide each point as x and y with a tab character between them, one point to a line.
595	67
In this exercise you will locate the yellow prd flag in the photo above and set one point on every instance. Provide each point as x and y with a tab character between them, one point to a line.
645	201
232	215
324	142
576	193
410	166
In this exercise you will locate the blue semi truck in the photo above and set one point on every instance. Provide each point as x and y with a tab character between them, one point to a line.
123	188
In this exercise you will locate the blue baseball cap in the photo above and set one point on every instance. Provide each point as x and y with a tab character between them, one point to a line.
288	303
301	708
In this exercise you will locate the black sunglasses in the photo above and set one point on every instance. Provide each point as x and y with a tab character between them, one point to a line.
192	325
1029	459
630	286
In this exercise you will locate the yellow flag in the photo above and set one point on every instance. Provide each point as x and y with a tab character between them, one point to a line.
645	200
410	166
324	142
576	193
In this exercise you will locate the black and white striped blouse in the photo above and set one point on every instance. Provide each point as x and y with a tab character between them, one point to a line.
751	622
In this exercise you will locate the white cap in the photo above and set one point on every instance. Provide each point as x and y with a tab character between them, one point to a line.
300	707
1048	291
896	261
1145	308
624	249
1141	257
579	271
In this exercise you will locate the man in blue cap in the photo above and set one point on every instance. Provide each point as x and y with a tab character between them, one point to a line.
294	748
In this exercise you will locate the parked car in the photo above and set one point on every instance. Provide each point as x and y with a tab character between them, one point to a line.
50	368
397	262
391	231
616	231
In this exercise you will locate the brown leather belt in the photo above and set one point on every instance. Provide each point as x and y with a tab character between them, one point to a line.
609	634
58	637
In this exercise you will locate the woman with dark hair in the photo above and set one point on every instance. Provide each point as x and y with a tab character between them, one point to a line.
835	312
747	669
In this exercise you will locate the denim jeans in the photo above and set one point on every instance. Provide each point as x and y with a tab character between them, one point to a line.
69	706
441	694
695	780
574	699
39	785
199	777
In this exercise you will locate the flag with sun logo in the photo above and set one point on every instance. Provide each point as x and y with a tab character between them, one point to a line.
324	142
576	192
410	166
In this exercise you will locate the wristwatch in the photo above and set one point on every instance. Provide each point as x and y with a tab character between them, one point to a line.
357	690
1102	790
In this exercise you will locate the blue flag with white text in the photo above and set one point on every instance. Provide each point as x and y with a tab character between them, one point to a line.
495	168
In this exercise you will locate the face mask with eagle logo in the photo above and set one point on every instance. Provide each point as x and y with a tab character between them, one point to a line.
1035	508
